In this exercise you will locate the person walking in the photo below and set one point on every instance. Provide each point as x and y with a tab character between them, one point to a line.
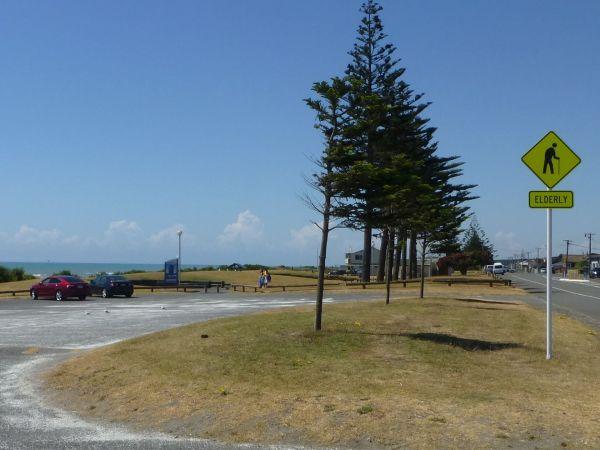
261	279
267	278
549	156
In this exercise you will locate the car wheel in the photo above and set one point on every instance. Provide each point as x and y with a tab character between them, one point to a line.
58	296
128	295
105	293
34	295
82	298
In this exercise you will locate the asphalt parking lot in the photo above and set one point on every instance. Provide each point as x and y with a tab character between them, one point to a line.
36	334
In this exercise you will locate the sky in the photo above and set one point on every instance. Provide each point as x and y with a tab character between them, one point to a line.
123	121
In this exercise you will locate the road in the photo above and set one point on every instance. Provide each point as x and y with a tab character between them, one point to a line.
35	335
578	299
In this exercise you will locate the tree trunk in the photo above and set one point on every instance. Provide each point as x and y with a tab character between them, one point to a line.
322	258
423	252
385	234
390	264
366	275
412	255
404	254
397	256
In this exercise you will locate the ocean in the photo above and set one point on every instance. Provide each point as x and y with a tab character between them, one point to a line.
43	269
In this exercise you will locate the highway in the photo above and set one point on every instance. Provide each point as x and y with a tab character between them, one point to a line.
580	300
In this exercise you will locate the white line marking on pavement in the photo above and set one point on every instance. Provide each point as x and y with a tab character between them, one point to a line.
558	289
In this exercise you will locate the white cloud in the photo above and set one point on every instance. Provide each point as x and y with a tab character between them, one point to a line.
307	236
123	227
168	234
246	229
30	235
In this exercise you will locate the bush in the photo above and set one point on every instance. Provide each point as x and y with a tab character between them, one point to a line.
16	274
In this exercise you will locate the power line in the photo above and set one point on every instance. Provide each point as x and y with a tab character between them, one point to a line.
566	269
589	236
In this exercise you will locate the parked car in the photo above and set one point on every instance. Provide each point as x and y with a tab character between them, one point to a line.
60	287
595	272
109	285
498	269
543	270
336	272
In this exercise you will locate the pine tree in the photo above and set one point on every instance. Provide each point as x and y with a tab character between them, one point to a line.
477	246
373	72
331	111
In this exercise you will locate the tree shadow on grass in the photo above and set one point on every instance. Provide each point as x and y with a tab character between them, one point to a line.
448	339
465	344
487	302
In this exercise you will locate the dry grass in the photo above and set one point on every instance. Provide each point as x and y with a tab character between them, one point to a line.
419	373
247	277
17	286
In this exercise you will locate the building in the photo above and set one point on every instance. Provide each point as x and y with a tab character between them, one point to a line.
576	259
354	260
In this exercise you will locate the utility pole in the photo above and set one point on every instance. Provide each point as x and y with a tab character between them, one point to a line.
589	236
566	269
179	233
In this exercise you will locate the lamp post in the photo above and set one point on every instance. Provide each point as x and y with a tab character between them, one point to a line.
179	233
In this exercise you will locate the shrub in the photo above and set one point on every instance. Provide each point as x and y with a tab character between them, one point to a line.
16	274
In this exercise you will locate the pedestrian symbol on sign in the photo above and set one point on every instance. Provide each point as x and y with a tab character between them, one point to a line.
551	154
551	159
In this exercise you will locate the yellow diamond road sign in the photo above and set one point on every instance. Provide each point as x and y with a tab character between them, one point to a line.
551	159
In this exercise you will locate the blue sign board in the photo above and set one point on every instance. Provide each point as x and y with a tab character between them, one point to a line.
171	272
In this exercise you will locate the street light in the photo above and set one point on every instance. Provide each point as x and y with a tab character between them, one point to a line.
179	233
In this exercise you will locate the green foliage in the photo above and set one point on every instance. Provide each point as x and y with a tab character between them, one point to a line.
477	246
381	164
458	261
16	274
64	272
365	409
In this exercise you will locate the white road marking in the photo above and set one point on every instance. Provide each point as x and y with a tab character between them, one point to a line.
558	289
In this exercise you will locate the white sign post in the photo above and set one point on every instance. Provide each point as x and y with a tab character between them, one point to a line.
549	283
545	160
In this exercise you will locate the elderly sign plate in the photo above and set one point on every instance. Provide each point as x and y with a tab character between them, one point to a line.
551	199
551	159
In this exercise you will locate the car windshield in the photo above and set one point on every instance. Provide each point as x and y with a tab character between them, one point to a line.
72	279
117	278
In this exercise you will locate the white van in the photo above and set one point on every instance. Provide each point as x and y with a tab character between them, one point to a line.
499	269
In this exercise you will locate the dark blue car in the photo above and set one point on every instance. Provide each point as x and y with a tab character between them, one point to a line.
109	285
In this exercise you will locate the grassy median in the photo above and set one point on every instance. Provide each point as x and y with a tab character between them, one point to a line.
419	373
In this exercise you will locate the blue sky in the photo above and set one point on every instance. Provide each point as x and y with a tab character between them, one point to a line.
121	122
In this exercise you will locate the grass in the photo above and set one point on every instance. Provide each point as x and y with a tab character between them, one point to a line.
247	277
17	285
250	277
426	373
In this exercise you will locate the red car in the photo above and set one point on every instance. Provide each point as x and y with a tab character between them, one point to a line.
60	287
